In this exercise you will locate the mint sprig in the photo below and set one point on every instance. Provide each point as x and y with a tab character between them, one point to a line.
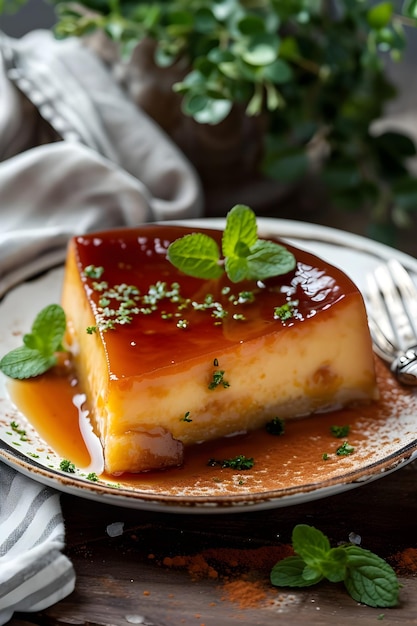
245	256
367	578
38	353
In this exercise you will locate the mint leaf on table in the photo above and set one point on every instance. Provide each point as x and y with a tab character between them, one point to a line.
290	573
311	544
245	257
370	579
367	578
38	353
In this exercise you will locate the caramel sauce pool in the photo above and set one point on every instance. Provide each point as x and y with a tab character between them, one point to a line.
50	405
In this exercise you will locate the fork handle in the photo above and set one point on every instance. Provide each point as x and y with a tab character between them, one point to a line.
404	367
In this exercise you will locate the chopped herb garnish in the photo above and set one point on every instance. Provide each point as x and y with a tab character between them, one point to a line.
92	476
19	431
286	311
67	466
345	449
240	462
245	257
100	286
340	431
244	297
325	456
219	313
119	304
218	380
367	578
276	426
186	417
92	271
39	351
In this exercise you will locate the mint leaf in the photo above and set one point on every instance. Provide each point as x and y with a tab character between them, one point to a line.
311	575
264	260
289	573
48	329
245	256
197	255
268	259
25	362
237	268
311	544
333	566
240	233
38	354
370	579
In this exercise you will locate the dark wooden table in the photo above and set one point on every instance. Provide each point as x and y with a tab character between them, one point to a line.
213	570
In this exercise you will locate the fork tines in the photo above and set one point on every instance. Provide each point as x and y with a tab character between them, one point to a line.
392	300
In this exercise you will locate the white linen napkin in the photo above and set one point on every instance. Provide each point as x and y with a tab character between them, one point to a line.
75	156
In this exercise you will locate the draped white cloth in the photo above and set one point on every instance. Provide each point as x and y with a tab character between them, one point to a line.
75	156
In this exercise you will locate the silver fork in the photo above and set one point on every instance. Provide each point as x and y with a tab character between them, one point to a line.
391	297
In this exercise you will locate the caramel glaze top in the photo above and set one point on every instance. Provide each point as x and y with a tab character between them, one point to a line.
137	256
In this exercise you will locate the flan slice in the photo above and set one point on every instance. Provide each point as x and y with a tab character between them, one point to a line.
167	360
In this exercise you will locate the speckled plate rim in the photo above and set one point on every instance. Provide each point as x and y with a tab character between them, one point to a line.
338	247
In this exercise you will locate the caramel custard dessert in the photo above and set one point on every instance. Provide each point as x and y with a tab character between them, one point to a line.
168	360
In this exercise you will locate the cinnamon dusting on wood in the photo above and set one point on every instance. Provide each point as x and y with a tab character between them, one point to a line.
405	562
242	573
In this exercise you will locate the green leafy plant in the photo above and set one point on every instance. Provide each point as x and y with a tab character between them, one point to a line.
39	351
245	256
368	578
313	72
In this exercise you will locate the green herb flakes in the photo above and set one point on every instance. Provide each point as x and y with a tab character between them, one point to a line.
345	449
67	466
340	431
240	462
218	380
286	311
276	426
92	271
18	431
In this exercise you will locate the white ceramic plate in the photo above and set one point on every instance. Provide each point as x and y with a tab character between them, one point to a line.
290	469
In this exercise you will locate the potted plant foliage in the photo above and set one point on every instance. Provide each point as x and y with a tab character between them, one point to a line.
267	90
